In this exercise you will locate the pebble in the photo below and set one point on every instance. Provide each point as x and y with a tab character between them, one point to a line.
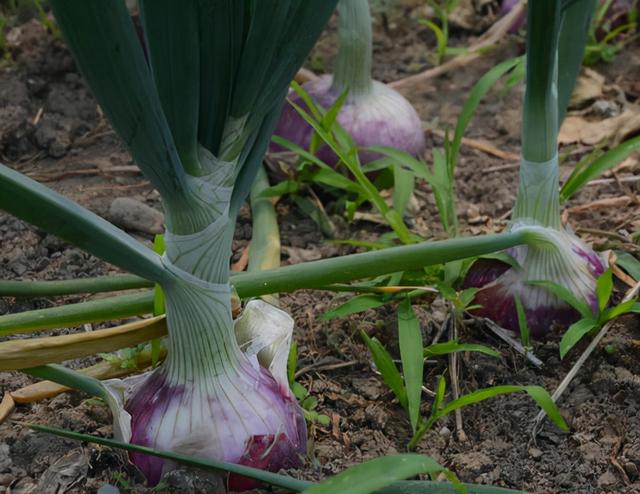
535	453
108	489
445	431
5	458
631	469
19	268
131	214
6	479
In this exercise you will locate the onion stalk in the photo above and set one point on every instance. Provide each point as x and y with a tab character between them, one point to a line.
196	113
562	259
373	113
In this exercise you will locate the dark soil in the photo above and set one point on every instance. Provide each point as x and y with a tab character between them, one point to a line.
52	130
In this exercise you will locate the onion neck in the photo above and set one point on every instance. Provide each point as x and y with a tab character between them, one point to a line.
201	338
538	197
198	299
353	63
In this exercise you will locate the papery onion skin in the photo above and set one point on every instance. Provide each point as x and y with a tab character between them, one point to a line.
498	282
382	117
159	417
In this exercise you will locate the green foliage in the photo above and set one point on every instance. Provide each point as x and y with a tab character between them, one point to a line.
629	263
595	164
589	323
407	386
376	474
354	183
441	176
522	324
442	9
307	401
605	41
411	354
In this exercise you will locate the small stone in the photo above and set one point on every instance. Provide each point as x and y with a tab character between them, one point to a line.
369	388
108	489
6	479
19	268
472	464
535	453
473	211
631	469
445	431
5	458
131	214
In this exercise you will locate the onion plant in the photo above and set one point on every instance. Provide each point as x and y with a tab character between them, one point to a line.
196	112
556	38
372	113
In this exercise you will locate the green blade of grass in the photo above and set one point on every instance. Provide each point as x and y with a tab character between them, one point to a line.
376	474
604	289
598	166
453	346
390	374
410	339
629	263
575	333
479	90
539	395
354	305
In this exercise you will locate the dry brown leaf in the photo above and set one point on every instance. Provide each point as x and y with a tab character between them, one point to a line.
589	86
611	130
6	407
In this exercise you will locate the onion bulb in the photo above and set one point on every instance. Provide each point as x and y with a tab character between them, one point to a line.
373	113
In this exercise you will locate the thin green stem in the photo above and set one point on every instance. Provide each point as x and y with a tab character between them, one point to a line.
111	283
353	63
270	478
322	275
69	378
264	252
70	315
343	269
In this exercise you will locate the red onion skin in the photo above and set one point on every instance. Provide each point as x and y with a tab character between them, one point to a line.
284	451
520	22
499	306
398	126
